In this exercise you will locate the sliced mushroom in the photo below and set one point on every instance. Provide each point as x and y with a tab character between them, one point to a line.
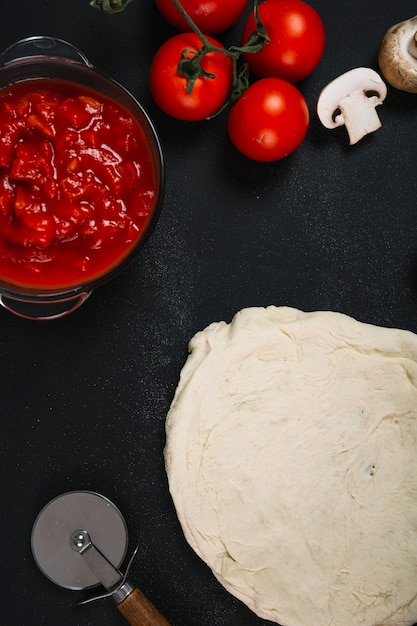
397	56
350	100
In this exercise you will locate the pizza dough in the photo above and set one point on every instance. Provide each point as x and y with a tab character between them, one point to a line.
291	455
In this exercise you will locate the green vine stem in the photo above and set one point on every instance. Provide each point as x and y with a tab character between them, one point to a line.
110	6
190	62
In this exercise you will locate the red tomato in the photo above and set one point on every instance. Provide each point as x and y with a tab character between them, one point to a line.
168	86
269	121
297	38
211	16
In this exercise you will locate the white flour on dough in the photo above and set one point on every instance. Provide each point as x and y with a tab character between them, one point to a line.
291	455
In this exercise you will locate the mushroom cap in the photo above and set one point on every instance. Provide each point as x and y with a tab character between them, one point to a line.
360	80
398	66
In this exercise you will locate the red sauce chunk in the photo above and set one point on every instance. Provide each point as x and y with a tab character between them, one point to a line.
77	187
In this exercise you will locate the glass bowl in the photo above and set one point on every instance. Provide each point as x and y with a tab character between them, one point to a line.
56	60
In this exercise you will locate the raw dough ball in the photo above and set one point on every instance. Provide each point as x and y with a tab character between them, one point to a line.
291	456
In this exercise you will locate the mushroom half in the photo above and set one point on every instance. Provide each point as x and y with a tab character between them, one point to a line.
350	100
397	55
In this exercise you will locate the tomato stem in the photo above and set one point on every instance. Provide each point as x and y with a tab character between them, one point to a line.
207	46
190	67
239	85
191	22
258	38
110	6
189	64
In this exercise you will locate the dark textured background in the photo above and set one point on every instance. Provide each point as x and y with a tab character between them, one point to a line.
84	399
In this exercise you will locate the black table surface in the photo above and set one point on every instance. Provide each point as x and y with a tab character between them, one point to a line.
84	399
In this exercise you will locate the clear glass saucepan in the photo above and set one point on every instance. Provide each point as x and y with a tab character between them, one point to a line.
56	60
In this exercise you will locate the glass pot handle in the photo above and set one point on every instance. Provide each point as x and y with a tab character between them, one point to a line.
38	309
40	46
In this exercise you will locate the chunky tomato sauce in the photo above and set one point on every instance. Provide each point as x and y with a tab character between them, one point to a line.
77	184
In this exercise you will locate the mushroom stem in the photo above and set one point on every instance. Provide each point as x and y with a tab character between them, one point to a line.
351	100
360	116
412	46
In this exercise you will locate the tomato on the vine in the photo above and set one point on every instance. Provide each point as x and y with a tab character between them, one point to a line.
269	121
211	16
169	87
296	40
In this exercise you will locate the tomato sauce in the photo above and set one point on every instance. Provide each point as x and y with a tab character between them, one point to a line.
77	184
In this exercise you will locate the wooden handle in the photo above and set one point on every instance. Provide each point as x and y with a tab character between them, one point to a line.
139	611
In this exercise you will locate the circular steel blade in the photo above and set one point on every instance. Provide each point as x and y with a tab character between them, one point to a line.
52	530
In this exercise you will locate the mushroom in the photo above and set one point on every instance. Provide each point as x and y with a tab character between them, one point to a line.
397	55
350	100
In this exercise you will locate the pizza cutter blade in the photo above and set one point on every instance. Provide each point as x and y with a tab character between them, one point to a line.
79	540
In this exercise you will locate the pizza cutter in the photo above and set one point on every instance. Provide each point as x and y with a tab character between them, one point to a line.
79	541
